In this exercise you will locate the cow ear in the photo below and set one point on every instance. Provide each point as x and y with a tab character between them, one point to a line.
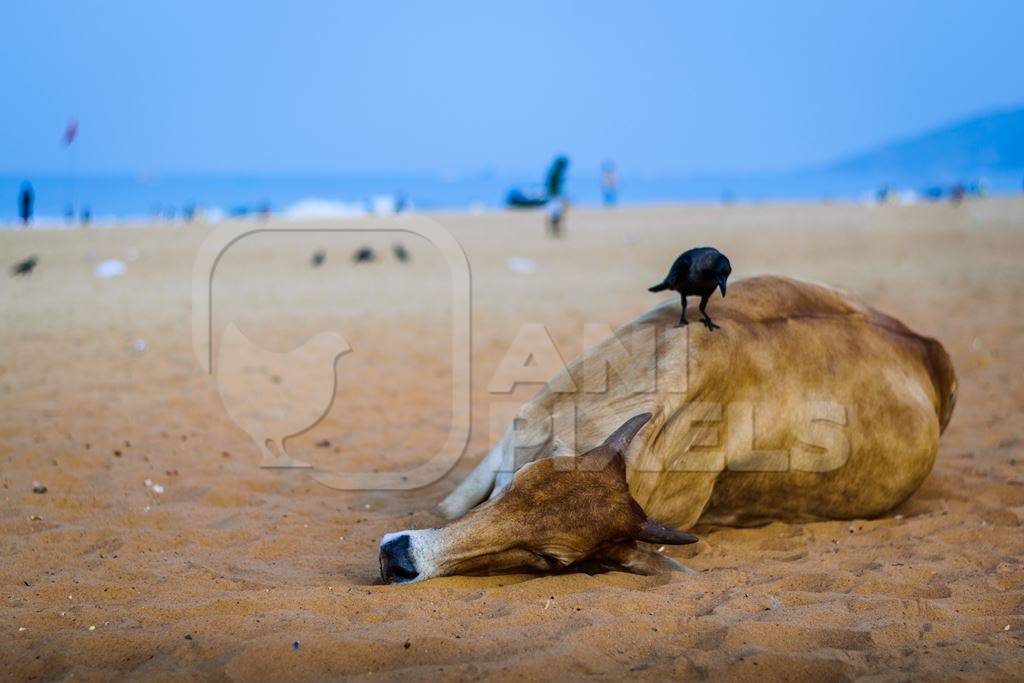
621	438
653	532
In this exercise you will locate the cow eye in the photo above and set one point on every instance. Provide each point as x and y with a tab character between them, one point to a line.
550	560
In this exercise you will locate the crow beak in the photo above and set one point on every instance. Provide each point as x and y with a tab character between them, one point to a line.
721	285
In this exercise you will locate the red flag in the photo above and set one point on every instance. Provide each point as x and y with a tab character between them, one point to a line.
71	133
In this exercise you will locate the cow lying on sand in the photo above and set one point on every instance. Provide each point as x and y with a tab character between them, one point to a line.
805	405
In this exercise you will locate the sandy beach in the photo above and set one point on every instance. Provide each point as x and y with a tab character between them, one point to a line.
219	569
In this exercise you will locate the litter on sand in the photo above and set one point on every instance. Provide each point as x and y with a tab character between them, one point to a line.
38	488
518	264
111	268
521	265
295	645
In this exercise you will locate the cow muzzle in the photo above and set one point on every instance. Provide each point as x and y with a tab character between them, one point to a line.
397	564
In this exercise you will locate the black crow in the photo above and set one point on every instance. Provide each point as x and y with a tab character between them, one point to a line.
364	255
318	258
697	273
401	253
25	267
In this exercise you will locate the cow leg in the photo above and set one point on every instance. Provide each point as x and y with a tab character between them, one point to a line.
682	316
506	468
475	487
501	483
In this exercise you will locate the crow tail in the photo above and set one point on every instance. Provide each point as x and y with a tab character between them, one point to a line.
659	287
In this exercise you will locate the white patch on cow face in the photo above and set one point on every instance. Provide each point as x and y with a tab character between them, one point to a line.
424	550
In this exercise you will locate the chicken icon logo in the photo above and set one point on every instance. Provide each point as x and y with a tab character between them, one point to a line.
273	396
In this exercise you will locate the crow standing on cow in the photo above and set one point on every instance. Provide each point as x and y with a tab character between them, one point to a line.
697	272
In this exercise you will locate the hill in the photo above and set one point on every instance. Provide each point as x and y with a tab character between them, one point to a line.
989	143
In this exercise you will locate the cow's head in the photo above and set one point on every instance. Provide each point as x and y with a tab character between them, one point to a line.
557	512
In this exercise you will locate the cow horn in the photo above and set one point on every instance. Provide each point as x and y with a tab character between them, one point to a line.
652	532
620	439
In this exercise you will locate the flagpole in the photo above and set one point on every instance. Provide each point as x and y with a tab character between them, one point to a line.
70	133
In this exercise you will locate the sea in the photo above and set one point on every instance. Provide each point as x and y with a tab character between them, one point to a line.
112	199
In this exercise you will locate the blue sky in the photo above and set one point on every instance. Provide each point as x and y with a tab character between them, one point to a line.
460	87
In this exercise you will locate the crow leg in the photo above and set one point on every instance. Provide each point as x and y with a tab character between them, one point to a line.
707	319
682	316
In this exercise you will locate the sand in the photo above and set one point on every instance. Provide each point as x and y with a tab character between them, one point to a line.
218	576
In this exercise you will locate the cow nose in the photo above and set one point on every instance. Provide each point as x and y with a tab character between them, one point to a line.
396	563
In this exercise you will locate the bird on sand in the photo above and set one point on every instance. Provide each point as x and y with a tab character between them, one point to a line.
364	255
25	267
697	272
318	258
401	253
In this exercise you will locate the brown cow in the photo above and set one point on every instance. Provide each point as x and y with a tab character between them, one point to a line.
805	405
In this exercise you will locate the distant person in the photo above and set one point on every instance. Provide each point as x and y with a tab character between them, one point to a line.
609	184
86	216
26	198
556	177
554	186
556	212
956	195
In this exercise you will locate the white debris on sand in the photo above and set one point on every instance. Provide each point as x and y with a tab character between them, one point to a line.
111	268
518	264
